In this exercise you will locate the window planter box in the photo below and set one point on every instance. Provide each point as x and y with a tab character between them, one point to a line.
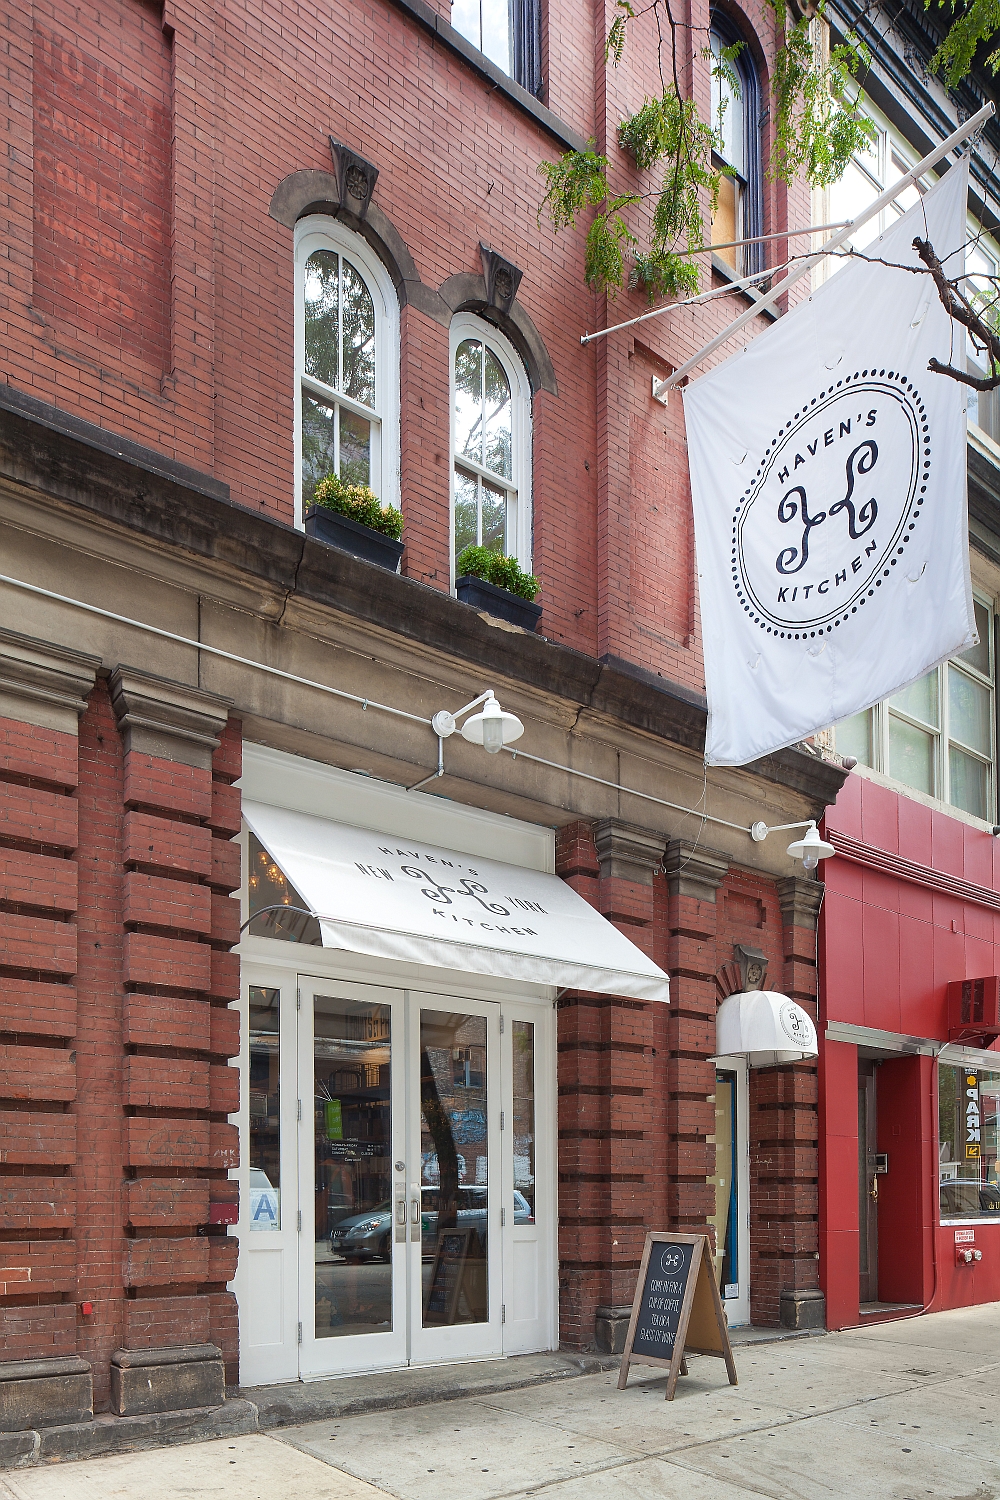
500	602
350	536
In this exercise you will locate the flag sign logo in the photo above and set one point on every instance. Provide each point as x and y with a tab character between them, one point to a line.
828	483
835	500
797	1026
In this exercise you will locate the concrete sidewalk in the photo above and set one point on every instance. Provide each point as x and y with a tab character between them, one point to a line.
893	1412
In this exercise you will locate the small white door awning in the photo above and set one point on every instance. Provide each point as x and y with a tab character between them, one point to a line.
392	898
765	1028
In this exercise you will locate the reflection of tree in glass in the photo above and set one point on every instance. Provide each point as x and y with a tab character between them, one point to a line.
494	503
355	449
317	446
469	399
496	418
359	342
439	1125
482	407
322	309
465	511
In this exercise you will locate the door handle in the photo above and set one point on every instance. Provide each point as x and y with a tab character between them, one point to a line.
401	1211
399	1234
874	1193
415	1218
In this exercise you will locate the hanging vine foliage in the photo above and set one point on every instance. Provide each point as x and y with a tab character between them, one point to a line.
817	127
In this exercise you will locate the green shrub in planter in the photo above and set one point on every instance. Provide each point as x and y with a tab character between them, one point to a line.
502	572
359	503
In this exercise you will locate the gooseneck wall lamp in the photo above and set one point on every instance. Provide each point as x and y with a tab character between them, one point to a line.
492	727
810	848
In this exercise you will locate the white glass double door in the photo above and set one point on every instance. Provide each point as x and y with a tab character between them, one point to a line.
397	1209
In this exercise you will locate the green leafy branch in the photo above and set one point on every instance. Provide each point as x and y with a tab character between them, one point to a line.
976	24
818	126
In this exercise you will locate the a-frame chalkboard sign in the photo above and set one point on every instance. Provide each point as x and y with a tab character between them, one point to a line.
677	1309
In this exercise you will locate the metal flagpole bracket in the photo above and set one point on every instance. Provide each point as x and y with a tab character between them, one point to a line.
966	129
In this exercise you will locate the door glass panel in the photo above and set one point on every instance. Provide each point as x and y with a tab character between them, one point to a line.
351	1111
265	1135
454	1169
523	1042
725	1217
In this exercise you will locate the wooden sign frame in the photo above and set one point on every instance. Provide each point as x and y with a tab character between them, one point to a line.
444	1258
701	1325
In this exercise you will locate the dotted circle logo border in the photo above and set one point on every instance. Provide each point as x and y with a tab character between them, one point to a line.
923	471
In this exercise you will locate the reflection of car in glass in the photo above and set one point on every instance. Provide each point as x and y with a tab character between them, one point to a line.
473	1209
968	1199
339	1206
365	1236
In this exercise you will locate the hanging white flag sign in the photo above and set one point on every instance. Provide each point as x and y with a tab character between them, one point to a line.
828	478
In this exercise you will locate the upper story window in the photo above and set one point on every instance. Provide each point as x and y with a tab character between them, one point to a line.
888	158
939	734
347	356
736	118
508	32
491	442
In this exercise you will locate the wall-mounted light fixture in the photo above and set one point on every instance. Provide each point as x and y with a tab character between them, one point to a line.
492	727
810	848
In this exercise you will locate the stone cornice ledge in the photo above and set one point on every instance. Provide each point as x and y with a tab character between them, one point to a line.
96	473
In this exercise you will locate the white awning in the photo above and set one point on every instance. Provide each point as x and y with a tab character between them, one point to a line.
765	1028
392	898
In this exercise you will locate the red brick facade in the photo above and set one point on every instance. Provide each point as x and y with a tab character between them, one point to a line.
637	1089
149	291
114	1083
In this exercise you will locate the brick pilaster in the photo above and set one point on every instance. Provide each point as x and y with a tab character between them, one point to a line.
43	691
784	1131
693	875
606	1095
180	811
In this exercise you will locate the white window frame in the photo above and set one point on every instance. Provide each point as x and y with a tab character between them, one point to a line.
319	232
878	729
464	326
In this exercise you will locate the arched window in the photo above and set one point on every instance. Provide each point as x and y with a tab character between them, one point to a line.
491	442
347	359
736	119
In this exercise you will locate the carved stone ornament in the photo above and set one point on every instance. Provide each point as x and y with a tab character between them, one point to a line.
502	280
356	179
753	966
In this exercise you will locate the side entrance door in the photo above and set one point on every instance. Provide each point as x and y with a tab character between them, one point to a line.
867	1181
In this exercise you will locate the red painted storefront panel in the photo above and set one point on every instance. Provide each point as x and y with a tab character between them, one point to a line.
888	949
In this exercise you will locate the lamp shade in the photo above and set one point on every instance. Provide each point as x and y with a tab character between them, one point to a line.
492	727
810	848
765	1027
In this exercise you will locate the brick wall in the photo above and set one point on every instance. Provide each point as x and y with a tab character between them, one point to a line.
39	1044
115	982
150	292
637	1087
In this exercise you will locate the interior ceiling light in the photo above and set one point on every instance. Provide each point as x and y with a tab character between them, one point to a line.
492	727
